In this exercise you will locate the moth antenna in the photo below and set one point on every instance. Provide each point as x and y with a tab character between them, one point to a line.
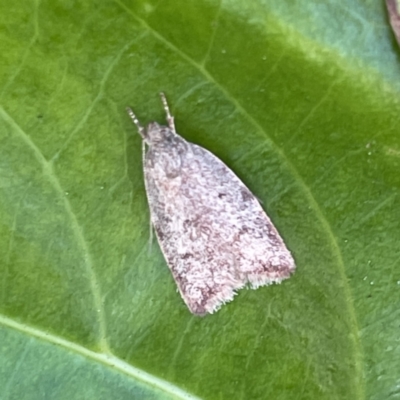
136	121
170	118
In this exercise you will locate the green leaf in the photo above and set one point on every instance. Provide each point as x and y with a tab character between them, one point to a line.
300	100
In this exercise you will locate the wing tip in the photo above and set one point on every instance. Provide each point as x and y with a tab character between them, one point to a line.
211	303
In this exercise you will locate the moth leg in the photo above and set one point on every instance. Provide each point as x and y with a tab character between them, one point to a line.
170	118
150	238
136	122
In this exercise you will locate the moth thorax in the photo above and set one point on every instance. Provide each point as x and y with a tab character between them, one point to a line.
156	133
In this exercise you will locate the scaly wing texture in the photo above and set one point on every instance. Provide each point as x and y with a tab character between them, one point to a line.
212	230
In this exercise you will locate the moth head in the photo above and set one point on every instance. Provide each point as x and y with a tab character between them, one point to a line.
156	133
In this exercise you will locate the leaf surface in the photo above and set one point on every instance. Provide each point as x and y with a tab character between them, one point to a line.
301	101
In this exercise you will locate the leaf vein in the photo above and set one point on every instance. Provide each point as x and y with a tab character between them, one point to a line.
108	360
77	229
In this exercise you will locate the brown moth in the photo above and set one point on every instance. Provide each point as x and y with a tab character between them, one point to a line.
213	233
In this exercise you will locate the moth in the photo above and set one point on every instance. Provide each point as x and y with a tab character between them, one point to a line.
213	233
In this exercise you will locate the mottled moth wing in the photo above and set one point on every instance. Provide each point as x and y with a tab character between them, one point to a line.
212	231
